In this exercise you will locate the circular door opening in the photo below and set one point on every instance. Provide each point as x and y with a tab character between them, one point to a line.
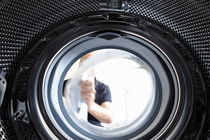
129	81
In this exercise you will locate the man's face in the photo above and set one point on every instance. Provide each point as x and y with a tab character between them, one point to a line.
89	73
85	57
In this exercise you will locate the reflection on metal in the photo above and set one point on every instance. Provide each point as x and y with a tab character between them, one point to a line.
3	85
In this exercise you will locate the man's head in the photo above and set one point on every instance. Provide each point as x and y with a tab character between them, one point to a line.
85	57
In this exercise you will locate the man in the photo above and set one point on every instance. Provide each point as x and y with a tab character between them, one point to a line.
97	96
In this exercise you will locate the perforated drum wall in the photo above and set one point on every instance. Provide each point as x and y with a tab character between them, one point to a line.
24	22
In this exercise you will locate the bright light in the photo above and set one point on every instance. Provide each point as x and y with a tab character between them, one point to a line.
131	86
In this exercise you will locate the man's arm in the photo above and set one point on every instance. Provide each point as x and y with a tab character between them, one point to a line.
100	112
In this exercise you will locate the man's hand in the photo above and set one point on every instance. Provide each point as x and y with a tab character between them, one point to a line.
101	112
87	90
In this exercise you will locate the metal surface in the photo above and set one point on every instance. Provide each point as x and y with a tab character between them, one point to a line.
22	23
3	85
